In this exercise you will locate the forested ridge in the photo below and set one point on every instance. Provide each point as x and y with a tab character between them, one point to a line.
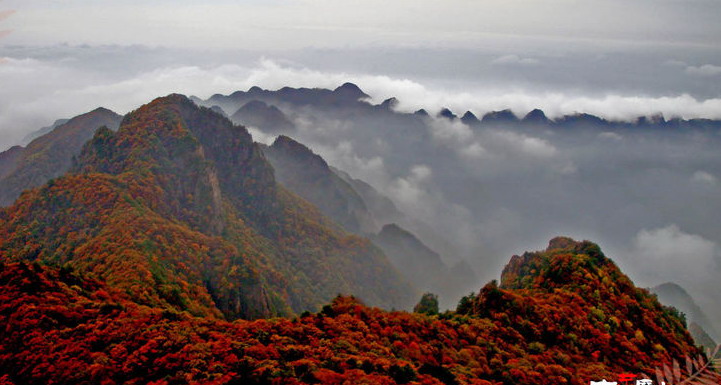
62	327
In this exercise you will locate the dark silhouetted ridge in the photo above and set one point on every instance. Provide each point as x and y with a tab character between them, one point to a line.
499	117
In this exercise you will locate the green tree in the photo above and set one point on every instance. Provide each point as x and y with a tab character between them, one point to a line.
427	305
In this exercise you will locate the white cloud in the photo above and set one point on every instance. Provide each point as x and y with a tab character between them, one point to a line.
473	151
512	144
37	92
701	176
610	136
410	190
675	63
260	136
704	70
669	254
515	60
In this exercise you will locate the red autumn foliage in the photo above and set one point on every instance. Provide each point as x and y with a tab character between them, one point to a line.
62	328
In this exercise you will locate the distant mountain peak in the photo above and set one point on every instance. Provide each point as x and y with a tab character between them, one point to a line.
298	150
672	294
422	112
50	154
447	113
392	229
390	103
502	116
561	243
470	119
267	117
536	116
351	90
582	118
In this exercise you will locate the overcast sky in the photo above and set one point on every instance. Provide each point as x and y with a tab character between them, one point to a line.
290	24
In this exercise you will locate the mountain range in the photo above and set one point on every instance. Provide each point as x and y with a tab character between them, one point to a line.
213	233
166	246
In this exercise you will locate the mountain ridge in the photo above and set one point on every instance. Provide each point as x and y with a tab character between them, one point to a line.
180	208
50	155
95	333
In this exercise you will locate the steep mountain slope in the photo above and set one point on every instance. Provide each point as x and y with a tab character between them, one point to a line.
674	295
404	249
309	176
423	266
9	160
51	154
384	211
180	210
343	199
62	327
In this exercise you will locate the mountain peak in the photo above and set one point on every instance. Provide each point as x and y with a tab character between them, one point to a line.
422	113
470	119
350	90
547	269
389	103
502	116
50	154
583	119
561	243
267	117
536	116
292	147
102	110
447	113
187	214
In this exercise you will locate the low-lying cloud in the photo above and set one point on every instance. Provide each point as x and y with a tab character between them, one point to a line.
515	60
38	90
704	70
669	254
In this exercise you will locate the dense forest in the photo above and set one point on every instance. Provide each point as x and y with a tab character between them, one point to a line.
564	315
